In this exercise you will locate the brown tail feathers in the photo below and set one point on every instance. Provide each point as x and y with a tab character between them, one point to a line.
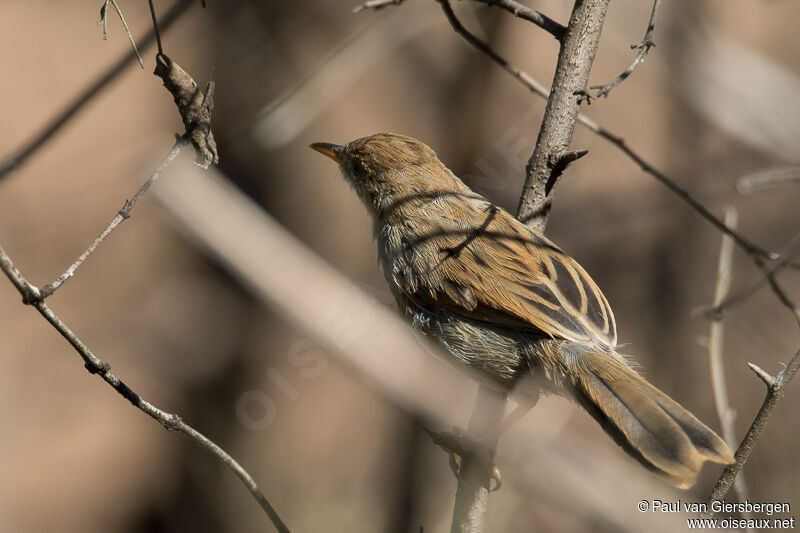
645	422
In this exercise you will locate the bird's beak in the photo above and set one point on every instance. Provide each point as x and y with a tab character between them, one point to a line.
334	151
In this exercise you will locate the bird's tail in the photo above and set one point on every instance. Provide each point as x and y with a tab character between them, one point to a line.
645	422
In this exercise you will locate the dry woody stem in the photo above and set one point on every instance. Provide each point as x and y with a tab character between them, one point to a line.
575	58
104	21
715	348
121	216
32	295
776	388
788	254
578	45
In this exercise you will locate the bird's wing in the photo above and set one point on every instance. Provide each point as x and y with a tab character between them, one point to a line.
493	268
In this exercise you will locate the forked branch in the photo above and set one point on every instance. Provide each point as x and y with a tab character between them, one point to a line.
643	48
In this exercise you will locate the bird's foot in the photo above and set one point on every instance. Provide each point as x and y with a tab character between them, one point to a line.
460	444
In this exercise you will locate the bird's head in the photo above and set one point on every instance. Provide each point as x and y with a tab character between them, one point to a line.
387	168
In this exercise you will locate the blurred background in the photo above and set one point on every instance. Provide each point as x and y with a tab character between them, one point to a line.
716	100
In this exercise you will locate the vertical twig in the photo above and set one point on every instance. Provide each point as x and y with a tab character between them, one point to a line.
715	346
548	161
474	484
155	28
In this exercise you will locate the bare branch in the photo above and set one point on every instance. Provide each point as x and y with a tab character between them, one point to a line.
716	335
104	21
776	388
122	215
549	159
753	250
95	365
523	77
155	28
788	254
643	47
531	15
575	58
779	292
715	347
471	507
14	161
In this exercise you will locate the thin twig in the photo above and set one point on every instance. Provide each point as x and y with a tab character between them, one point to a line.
776	388
778	290
95	365
715	347
122	215
471	507
788	254
523	77
531	15
15	161
753	250
155	28
644	47
104	21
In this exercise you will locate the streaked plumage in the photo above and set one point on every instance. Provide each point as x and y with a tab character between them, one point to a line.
507	302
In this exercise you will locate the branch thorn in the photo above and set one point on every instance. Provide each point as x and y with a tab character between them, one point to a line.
762	374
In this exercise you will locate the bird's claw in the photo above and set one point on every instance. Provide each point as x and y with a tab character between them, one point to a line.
458	443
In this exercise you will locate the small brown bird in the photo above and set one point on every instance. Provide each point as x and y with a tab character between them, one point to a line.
508	303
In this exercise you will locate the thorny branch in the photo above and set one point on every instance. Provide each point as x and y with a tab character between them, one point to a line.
756	253
644	47
776	388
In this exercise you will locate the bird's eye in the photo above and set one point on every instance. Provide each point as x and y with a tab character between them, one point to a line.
358	168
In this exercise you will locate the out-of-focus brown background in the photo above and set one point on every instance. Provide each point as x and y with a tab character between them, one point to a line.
715	100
